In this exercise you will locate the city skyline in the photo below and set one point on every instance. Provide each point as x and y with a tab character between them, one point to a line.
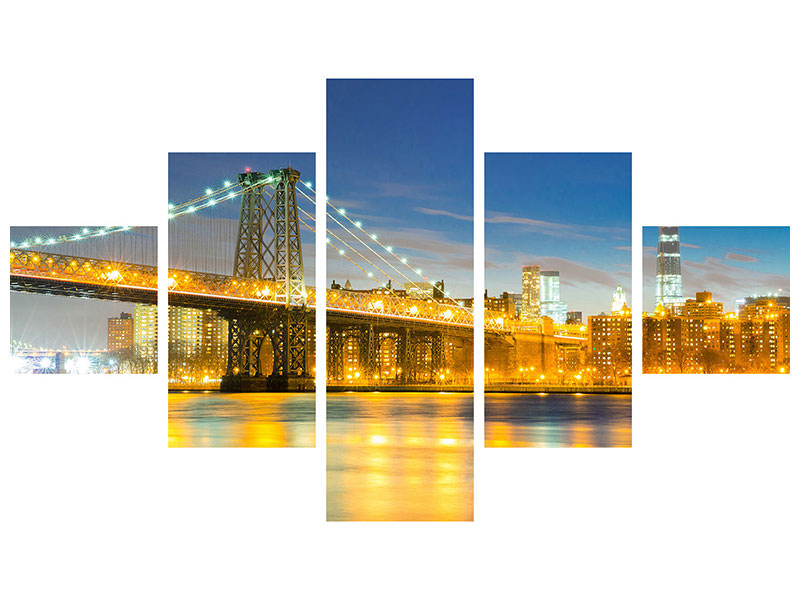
400	160
729	262
54	322
566	212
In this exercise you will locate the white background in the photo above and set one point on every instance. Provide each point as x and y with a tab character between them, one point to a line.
95	95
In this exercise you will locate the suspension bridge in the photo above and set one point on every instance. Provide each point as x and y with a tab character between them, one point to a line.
379	336
374	337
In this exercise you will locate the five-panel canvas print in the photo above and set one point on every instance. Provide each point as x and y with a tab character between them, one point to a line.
400	307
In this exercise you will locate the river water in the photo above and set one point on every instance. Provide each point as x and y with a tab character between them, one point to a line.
404	456
259	420
558	420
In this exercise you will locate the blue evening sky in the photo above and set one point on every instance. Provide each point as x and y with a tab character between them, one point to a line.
189	176
564	212
729	262
400	160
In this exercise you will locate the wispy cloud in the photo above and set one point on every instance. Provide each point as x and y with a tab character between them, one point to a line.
370	190
444	213
573	274
740	257
687	245
559	230
416	191
724	280
538	226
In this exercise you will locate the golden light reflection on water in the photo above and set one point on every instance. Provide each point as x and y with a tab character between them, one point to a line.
260	420
558	421
399	457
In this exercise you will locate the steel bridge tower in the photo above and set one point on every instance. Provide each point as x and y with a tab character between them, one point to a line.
268	249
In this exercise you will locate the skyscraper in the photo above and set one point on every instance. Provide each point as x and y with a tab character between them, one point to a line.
531	276
668	268
550	297
618	302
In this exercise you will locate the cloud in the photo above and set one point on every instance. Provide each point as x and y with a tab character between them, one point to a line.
369	190
573	274
627	248
408	190
740	257
559	230
724	280
540	227
350	203
687	245
444	213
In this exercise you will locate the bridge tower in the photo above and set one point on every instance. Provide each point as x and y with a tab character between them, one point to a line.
268	248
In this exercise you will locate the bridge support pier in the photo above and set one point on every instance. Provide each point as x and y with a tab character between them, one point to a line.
286	331
373	354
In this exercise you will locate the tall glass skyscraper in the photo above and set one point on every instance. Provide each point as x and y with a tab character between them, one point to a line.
530	292
669	289
550	297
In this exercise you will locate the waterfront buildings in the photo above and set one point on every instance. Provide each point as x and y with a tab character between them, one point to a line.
503	304
145	333
698	337
198	345
574	317
120	333
424	289
701	307
610	347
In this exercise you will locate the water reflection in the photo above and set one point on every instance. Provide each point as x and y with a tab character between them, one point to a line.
399	457
214	419
558	420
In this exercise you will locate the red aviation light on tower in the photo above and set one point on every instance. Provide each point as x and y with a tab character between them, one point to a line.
247	169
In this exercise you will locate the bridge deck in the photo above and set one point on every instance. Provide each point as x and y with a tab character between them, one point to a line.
48	273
